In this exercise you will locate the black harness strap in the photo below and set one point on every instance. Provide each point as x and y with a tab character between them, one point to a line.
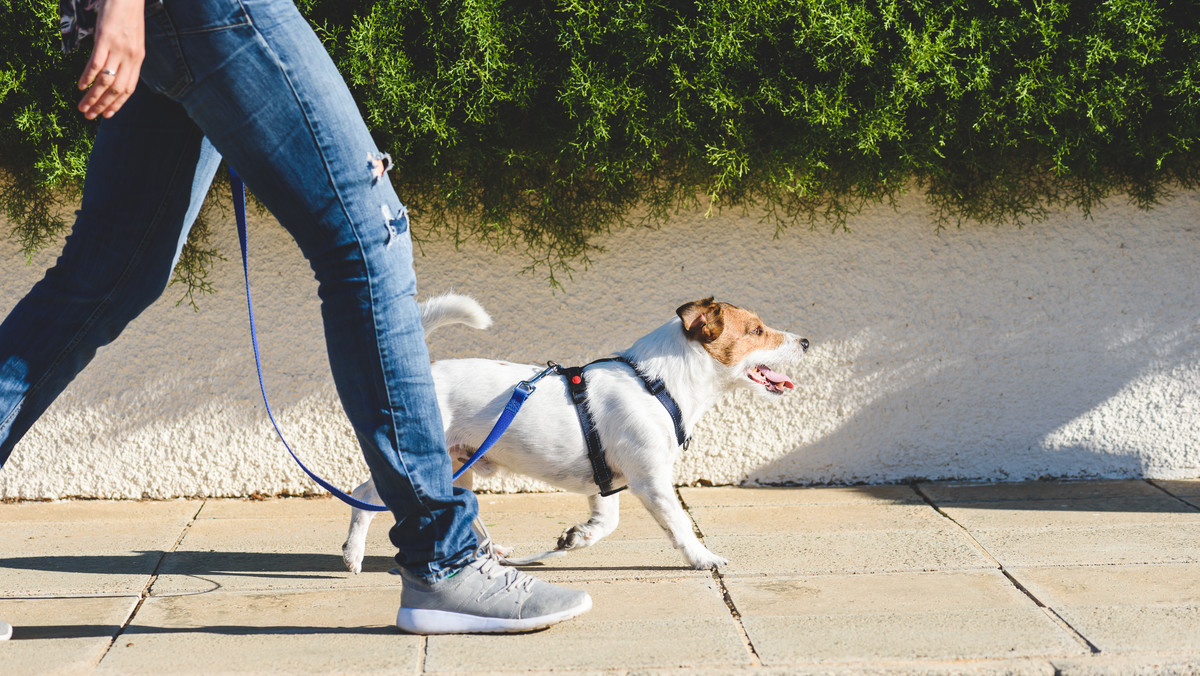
659	390
577	388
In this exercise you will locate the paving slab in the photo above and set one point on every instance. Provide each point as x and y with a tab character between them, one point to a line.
60	635
957	615
264	554
730	496
991	667
1137	628
1124	608
309	632
633	625
847	580
1143	664
947	493
86	547
82	558
1141	543
879	551
1066	513
324	508
797	595
1184	488
175	512
937	635
1130	585
773	519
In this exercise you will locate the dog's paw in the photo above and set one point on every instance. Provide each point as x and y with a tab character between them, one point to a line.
577	536
352	556
704	560
502	551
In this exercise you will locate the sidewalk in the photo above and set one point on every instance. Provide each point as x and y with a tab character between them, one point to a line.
1039	578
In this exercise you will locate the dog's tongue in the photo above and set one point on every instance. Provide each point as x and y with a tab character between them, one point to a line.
776	378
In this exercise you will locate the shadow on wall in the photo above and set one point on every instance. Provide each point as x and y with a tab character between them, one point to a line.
1066	349
1069	348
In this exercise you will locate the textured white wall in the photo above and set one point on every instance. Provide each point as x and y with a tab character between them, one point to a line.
1069	348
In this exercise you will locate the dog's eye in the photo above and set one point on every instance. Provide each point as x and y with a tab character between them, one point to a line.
757	331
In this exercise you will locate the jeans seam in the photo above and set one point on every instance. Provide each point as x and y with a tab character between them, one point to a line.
104	304
160	15
214	29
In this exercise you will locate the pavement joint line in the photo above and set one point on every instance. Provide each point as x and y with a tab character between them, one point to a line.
422	654
755	660
145	594
1185	501
1050	613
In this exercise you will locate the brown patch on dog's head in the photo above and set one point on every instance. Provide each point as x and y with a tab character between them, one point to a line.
728	332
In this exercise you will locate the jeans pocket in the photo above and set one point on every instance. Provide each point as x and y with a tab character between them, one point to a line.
164	69
196	18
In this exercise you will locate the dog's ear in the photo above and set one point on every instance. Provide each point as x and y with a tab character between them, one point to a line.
701	319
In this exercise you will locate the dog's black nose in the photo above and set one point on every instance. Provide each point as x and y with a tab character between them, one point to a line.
804	344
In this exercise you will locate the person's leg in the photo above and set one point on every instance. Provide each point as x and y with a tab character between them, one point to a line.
268	96
147	176
256	80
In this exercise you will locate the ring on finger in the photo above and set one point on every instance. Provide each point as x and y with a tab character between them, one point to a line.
109	71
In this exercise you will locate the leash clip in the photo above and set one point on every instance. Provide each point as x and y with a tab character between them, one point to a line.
527	385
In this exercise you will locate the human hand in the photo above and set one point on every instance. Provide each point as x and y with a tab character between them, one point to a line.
112	73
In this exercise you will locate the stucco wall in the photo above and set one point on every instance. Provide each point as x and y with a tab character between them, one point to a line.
1068	348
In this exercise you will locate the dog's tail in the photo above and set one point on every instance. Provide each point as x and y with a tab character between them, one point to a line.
453	308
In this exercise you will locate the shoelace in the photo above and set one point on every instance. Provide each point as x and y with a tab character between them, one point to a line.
488	563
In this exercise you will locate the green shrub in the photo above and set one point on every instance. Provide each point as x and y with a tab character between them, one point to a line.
539	125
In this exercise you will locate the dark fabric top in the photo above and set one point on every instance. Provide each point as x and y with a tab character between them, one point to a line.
78	21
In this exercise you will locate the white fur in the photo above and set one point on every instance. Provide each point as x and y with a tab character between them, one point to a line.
545	442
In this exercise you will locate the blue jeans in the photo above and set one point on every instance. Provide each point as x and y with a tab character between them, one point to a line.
248	80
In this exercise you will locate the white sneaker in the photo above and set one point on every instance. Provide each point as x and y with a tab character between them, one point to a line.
5	631
485	597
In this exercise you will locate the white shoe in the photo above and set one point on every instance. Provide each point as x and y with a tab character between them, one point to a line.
5	631
485	597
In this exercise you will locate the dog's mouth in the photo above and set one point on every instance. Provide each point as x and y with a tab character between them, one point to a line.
773	382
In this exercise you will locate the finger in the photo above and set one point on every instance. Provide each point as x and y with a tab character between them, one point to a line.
116	104
102	104
115	94
100	87
106	96
93	67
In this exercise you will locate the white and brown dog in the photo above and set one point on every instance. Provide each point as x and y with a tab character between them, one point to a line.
707	351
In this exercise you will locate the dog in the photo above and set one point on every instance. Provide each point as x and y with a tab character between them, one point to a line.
706	351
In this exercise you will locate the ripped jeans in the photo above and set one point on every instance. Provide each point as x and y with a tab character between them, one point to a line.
249	80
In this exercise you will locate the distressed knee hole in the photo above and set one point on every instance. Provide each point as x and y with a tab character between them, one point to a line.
378	164
396	225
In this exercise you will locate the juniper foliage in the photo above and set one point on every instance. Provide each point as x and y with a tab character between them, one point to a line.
540	125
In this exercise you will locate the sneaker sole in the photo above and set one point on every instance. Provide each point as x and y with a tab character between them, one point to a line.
420	621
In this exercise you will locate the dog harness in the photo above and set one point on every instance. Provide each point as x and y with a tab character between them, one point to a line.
577	391
577	388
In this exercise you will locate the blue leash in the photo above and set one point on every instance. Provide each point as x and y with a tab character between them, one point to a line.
520	393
